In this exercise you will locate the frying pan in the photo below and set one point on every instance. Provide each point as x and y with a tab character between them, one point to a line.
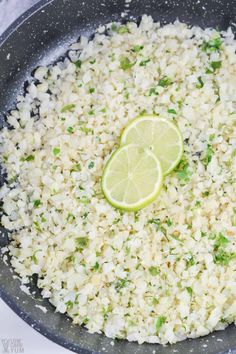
41	36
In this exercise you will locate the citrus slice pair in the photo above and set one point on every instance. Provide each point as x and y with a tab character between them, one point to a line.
151	147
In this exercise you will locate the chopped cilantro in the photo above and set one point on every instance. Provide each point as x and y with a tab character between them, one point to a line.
91	165
37	203
123	29
205	194
200	83
91	112
137	48
120	284
37	226
78	63
95	267
223	258
125	63
171	110
83	200
221	241
114	27
214	65
153	91
212	45
144	62
70	217
69	304
169	222
211	137
157	223
154	271
189	290
68	107
160	322
208	155
91	90
182	172
29	158
165	81
70	130
190	261
82	241
56	151
92	61
86	130
76	168
197	204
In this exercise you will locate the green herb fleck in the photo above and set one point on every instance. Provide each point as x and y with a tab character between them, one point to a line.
221	241
76	168
91	165
86	130
160	322
120	284
165	81
114	27
69	304
123	29
212	45
200	83
91	112
78	63
125	63
37	226
137	48
91	90
171	110
70	130
144	62
29	158
182	172
153	91
82	242
208	155
56	151
154	271
189	290
214	65
70	217
37	203
169	222
92	61
95	267
223	258
190	261
83	200
158	225
68	107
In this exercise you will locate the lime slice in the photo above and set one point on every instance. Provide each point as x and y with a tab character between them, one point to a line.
132	177
160	135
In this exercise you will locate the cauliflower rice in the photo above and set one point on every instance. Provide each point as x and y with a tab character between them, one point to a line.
164	273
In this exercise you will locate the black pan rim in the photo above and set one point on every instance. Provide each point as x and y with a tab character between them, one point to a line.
22	18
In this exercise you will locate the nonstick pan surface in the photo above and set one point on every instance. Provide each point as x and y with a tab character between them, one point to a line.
41	36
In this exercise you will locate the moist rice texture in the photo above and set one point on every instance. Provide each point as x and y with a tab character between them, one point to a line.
167	272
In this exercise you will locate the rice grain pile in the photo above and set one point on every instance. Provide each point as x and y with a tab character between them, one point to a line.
164	273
